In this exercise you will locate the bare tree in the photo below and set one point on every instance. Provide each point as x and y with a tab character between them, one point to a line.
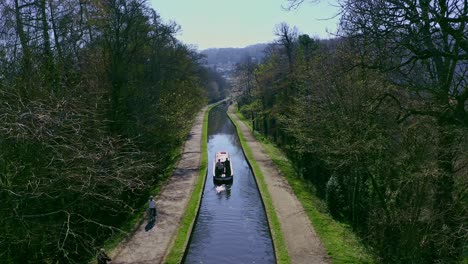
421	44
287	39
26	58
421	48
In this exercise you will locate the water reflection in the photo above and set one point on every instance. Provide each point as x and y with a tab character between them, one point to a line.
231	226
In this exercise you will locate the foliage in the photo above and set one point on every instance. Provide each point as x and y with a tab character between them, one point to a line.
215	83
66	184
385	154
96	98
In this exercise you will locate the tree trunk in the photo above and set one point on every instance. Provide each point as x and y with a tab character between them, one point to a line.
26	59
54	30
49	58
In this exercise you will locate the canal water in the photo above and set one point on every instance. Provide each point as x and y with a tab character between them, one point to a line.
231	226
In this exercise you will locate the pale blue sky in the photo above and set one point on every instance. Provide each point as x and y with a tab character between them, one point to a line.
239	23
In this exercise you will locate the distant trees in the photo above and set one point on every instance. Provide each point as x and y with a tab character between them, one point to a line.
371	120
217	86
95	99
233	55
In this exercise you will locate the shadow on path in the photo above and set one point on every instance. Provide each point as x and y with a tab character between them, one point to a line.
150	225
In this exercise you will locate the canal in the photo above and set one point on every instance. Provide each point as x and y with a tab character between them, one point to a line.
231	226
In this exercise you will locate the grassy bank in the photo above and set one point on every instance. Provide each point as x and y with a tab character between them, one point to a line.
282	256
340	242
188	219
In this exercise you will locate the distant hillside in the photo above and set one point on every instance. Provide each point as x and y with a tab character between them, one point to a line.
231	56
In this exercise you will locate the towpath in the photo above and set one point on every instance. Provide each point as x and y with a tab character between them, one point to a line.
302	242
151	246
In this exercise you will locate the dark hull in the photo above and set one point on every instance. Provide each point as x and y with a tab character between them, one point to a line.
223	179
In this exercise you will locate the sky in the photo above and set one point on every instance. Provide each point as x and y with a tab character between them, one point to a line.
239	23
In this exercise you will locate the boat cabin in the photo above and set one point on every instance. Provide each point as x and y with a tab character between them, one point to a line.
222	166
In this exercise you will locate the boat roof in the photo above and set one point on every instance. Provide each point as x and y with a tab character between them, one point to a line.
222	155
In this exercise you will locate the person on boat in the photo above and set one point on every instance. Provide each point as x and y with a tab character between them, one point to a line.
227	167
219	167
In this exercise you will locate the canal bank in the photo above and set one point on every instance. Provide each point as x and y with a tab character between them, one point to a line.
300	239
